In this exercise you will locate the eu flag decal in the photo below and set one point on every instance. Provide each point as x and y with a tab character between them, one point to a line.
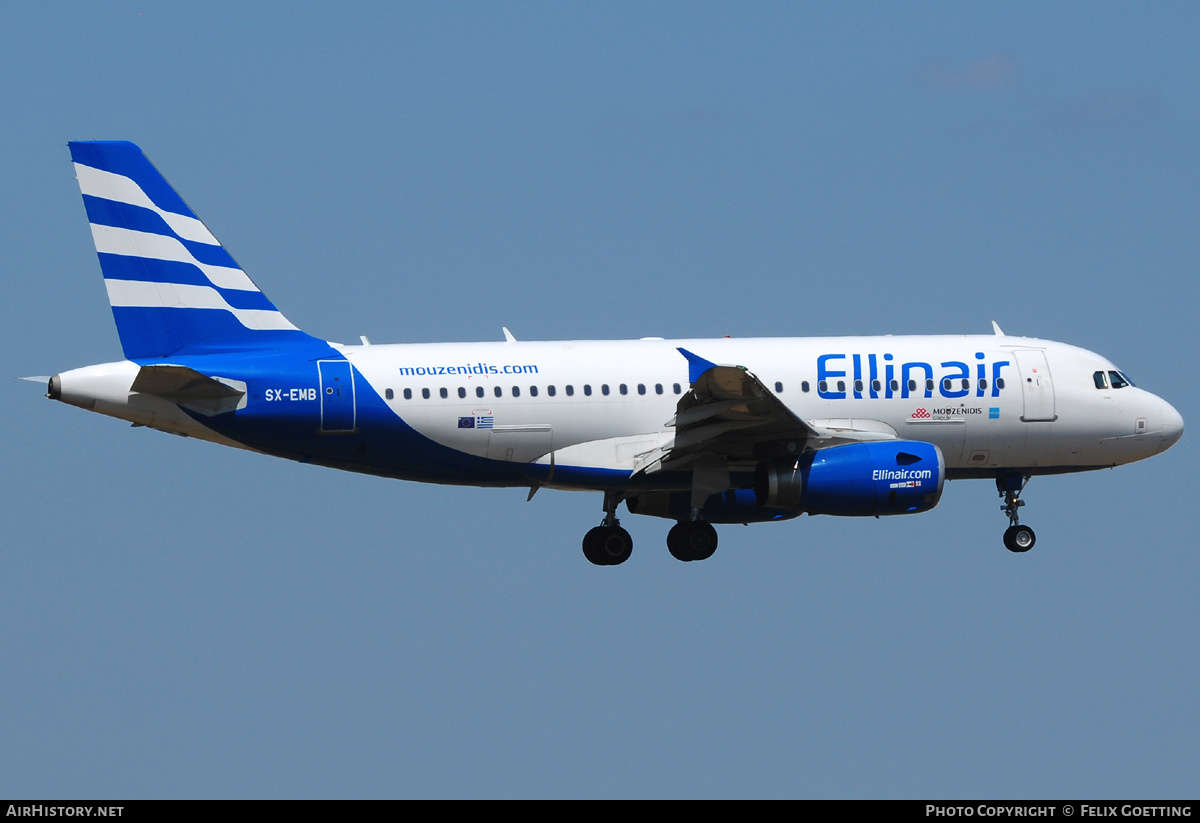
466	422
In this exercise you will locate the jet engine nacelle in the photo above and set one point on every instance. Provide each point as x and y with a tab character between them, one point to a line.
858	479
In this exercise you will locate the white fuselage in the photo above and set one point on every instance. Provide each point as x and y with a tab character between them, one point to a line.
1071	423
989	402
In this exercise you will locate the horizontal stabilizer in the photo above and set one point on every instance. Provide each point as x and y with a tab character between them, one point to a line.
191	389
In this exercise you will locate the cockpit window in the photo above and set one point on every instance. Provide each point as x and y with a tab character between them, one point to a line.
1100	380
1118	380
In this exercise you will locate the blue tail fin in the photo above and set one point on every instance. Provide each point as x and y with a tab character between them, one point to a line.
173	288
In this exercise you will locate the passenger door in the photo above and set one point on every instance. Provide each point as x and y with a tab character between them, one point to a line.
1037	387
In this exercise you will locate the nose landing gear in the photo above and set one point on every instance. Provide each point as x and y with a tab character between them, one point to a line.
1017	538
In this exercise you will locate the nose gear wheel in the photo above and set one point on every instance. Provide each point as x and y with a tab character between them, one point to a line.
1017	538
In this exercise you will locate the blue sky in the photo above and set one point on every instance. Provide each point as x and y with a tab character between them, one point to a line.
178	619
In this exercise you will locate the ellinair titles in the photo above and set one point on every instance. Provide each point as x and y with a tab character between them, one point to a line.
916	378
701	432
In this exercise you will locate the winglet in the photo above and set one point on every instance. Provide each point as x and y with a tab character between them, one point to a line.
697	365
508	336
996	328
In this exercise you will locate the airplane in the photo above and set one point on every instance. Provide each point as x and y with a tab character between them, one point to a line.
698	431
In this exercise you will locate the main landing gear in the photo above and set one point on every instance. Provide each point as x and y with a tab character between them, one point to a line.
692	540
1017	538
608	544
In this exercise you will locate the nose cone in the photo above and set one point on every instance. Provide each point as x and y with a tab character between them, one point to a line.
1171	423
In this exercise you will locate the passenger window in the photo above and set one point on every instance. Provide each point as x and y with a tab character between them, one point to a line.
804	386
389	394
624	389
462	392
982	384
641	388
533	391
675	386
499	392
550	390
1118	381
778	387
587	390
425	393
858	386
516	391
875	386
408	394
604	389
658	388
894	385
841	385
823	386
479	391
570	390
912	385
999	382
966	384
443	393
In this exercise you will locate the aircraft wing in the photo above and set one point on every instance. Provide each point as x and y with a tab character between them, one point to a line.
730	414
